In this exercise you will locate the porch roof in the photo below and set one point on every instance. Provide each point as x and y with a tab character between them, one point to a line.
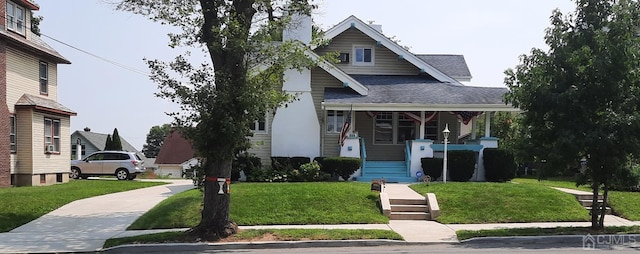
415	93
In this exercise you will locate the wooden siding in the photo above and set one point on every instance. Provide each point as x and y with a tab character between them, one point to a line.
376	152
261	142
320	79
385	61
24	135
50	163
23	75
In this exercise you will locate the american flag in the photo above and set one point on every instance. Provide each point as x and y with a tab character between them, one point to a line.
345	128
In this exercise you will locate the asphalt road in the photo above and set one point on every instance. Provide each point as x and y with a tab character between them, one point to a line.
429	248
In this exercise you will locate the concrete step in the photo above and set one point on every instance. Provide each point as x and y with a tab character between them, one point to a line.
587	196
404	201
607	211
409	208
389	179
588	202
409	216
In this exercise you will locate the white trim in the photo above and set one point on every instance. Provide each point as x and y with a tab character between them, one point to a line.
354	22
355	62
419	107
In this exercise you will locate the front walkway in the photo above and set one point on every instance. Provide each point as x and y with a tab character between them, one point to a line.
84	225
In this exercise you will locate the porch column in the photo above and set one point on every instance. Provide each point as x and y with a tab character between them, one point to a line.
487	124
474	127
422	124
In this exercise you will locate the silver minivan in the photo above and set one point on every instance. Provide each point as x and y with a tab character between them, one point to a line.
124	165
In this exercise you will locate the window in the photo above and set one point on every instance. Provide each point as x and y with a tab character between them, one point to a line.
431	130
52	134
406	129
15	18
73	150
259	126
383	133
44	76
335	121
363	55
12	135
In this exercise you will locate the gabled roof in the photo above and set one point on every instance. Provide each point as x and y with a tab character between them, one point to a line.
98	140
353	22
415	93
175	149
453	65
347	80
34	44
43	104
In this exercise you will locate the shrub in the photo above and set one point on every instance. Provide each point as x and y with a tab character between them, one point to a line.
341	166
626	179
309	172
267	174
432	167
244	162
281	163
296	162
499	165
461	165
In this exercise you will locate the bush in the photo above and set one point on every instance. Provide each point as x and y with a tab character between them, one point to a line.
627	179
432	167
309	172
499	165
267	174
281	164
296	162
461	165
244	162
341	166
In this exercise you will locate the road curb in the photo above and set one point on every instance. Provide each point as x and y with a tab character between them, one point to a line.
585	241
175	247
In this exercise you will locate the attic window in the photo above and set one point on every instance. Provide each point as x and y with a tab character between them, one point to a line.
343	58
15	18
364	55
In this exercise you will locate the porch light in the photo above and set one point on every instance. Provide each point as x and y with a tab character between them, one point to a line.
445	133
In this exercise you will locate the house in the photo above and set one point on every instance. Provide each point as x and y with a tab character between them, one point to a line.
91	142
175	156
395	103
37	149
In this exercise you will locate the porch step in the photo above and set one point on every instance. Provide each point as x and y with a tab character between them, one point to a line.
585	199
408	216
391	171
409	208
407	201
388	179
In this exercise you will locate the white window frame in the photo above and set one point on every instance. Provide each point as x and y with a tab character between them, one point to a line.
43	77
255	126
14	23
52	138
393	128
355	61
335	120
13	138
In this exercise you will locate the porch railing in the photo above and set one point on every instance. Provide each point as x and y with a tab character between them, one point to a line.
363	154
407	156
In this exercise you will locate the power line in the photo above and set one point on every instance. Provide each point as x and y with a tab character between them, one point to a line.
129	68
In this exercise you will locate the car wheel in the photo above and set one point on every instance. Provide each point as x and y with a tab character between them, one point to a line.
75	173
122	174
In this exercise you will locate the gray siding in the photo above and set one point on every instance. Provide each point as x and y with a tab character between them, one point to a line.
385	61
319	80
261	142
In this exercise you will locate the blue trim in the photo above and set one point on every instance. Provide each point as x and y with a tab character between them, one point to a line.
456	147
490	138
353	24
345	84
400	57
422	140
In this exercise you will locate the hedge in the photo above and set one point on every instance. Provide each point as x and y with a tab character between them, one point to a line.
341	166
499	165
432	167
461	165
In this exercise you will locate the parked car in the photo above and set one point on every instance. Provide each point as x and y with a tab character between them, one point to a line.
124	165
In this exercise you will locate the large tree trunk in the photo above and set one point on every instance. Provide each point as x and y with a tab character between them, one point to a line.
603	208
215	223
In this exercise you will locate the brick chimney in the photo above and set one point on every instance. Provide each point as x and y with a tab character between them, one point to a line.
5	123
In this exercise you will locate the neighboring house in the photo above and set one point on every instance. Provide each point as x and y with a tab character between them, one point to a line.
397	104
37	149
91	142
176	155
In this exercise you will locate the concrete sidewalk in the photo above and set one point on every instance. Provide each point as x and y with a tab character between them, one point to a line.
84	225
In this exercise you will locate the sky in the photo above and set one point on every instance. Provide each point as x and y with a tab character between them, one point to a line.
491	35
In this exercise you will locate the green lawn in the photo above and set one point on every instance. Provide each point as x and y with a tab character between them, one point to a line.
466	234
24	204
259	235
502	202
275	203
624	204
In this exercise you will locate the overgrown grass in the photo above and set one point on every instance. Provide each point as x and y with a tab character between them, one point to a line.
24	204
502	202
467	234
275	204
624	204
263	234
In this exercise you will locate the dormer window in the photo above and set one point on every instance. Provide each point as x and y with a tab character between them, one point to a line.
363	55
15	18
